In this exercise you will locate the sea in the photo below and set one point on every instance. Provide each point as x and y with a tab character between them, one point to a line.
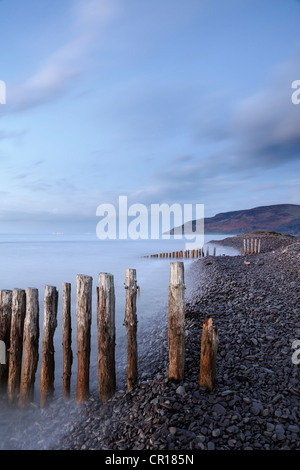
40	260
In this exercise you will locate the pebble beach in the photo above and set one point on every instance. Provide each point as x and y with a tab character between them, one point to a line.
255	404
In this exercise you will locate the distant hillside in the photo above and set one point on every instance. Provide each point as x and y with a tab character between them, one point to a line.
283	218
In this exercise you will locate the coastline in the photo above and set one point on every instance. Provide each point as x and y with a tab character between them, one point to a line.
256	400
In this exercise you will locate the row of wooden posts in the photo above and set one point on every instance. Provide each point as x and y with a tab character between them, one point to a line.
250	246
19	331
195	253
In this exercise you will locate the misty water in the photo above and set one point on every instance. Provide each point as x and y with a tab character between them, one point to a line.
36	261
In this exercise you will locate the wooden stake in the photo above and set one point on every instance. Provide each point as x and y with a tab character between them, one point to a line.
106	336
176	318
244	246
258	250
130	323
84	320
16	343
30	347
66	339
247	246
5	323
209	346
48	363
255	245
214	251
207	251
251	241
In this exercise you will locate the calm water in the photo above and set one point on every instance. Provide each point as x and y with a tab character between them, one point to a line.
36	261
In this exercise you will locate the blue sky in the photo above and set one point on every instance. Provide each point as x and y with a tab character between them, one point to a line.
169	101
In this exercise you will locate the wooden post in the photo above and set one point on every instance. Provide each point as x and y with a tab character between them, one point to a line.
66	339
130	323
247	246
255	245
84	320
251	241
16	343
202	254
48	363
244	246
209	347
258	246
106	336
176	318
214	251
30	347
5	323
207	251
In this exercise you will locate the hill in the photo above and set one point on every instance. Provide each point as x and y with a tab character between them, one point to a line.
283	218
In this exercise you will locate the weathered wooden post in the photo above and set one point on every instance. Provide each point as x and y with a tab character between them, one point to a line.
214	253
16	343
5	323
49	327
244	246
106	336
209	347
66	339
255	245
207	251
251	246
30	347
247	246
176	318
130	323
84	320
258	250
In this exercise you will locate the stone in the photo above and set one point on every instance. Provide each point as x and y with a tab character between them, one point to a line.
180	390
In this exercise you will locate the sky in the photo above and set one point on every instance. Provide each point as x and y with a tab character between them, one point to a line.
164	101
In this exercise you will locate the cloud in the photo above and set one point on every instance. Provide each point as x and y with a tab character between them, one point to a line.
11	135
54	75
266	126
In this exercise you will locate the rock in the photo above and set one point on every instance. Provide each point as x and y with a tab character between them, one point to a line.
270	427
180	390
172	430
293	428
216	432
219	409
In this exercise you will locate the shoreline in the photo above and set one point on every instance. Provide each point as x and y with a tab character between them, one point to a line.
256	401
